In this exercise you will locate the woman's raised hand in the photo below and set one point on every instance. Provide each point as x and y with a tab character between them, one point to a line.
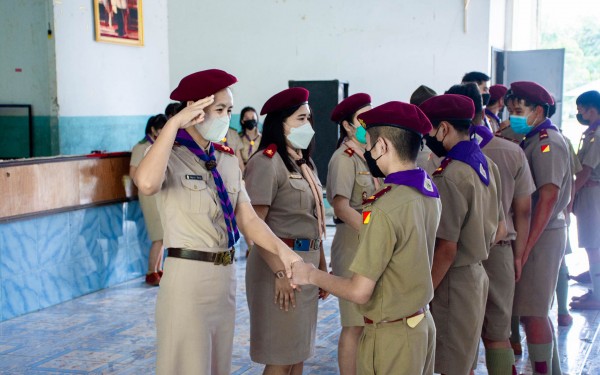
194	113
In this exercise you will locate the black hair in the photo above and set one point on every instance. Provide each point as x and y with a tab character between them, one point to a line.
173	108
470	90
157	122
589	99
492	102
461	126
475	77
407	143
343	132
273	133
547	107
242	113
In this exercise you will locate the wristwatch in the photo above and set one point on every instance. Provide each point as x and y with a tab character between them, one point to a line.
280	274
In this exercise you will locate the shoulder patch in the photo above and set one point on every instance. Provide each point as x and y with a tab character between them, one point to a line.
225	149
366	217
270	151
377	195
545	148
349	152
443	166
543	134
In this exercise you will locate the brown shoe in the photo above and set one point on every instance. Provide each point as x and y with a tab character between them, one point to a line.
582	278
587	303
565	320
153	279
516	347
585	296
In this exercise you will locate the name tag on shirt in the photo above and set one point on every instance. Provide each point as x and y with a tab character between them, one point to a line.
364	173
193	177
296	176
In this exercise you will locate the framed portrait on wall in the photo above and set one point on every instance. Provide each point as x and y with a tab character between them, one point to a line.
119	21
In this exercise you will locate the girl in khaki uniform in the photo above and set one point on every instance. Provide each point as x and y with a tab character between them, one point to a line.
349	183
250	135
286	193
201	200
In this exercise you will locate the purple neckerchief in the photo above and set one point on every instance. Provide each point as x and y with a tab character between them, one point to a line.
481	135
149	139
469	152
493	115
544	125
185	139
415	178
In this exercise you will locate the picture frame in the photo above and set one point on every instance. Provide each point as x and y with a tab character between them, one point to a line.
119	22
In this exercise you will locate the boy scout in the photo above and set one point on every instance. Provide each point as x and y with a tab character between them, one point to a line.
548	157
495	105
587	190
391	279
471	222
349	182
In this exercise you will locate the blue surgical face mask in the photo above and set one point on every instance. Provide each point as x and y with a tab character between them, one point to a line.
519	124
361	135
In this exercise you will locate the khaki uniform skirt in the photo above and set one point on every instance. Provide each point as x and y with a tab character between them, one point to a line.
195	316
343	250
278	337
587	210
151	217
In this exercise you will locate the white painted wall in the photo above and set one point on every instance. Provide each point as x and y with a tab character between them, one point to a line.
385	48
102	79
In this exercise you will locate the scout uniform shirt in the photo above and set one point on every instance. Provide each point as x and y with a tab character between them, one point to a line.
589	151
249	146
548	157
188	202
232	140
396	247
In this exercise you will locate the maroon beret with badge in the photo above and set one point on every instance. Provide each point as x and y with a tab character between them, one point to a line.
497	91
448	107
202	84
285	99
396	114
531	92
349	106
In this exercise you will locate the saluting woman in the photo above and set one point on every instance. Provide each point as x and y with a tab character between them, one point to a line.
202	201
286	193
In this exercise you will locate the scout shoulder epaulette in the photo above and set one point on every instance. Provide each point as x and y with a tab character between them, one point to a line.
543	134
442	166
499	135
349	152
270	151
225	149
377	195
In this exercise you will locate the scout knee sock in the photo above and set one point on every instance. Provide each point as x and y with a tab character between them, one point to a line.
540	356
499	361
555	357
515	333
562	289
595	274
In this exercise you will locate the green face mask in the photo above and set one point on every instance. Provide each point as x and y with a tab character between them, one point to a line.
361	135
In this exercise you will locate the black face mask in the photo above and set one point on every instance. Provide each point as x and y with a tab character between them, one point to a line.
581	119
437	147
249	124
372	164
485	98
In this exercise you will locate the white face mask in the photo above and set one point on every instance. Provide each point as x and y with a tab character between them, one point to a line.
301	136
214	129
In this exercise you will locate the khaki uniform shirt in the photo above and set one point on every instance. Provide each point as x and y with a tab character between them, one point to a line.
292	207
138	152
548	157
348	176
246	142
515	176
396	250
232	139
470	210
589	152
189	205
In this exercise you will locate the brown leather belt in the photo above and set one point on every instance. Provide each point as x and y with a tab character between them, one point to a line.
224	258
302	244
419	312
504	243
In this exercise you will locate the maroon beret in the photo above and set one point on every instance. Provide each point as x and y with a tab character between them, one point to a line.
285	99
448	107
349	106
396	114
202	84
532	92
497	91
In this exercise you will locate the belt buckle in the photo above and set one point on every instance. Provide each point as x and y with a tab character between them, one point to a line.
223	258
317	244
301	244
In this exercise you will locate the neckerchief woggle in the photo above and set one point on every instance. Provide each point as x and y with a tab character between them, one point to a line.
469	153
185	139
481	135
544	125
415	178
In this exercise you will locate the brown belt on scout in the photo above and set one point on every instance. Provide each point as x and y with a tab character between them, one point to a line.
421	311
503	243
222	258
302	244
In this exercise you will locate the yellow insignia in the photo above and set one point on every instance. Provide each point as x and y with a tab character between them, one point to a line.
251	143
364	125
224	139
270	152
366	217
545	148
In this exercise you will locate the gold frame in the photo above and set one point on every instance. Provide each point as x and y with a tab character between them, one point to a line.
116	39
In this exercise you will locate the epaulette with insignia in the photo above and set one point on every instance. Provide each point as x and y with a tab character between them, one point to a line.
270	151
543	133
377	195
442	166
349	152
499	135
226	149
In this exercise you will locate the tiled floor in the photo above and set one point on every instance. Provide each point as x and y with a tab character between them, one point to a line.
112	332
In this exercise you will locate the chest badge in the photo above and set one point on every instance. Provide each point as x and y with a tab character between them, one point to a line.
545	148
364	195
482	171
